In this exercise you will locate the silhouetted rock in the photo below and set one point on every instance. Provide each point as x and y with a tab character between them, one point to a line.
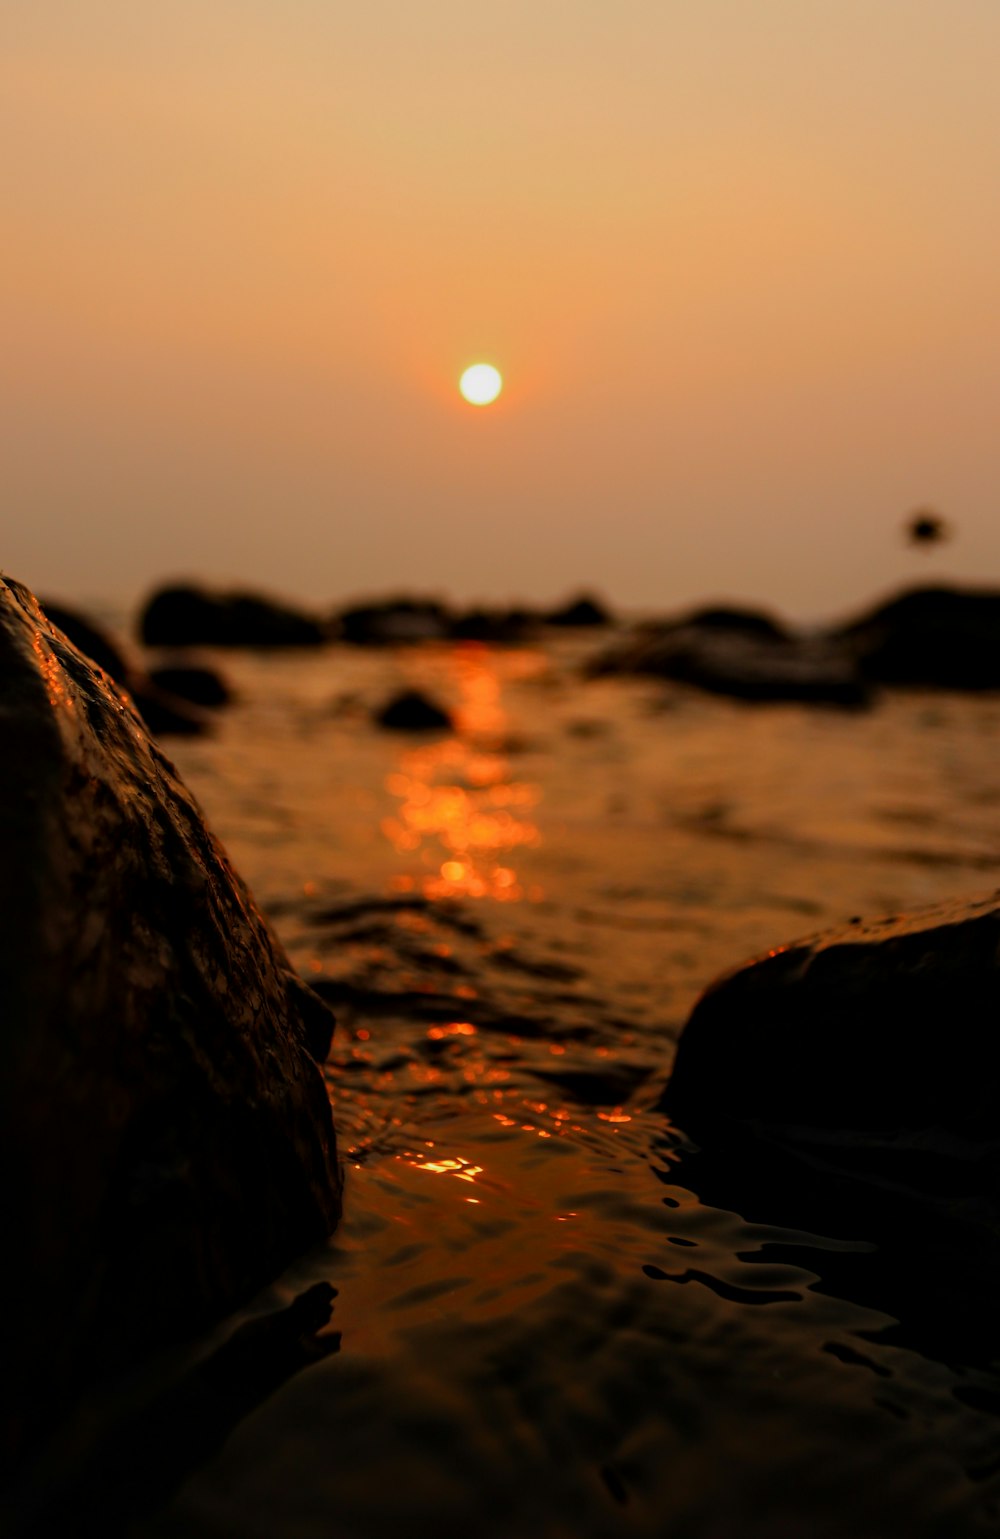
185	616
752	623
496	627
193	682
166	1132
948	637
394	622
869	1056
410	711
744	661
585	610
166	712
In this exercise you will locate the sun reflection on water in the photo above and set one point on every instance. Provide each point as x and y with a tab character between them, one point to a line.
460	812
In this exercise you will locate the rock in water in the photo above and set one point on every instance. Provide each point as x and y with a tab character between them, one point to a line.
584	610
410	711
166	1133
187	616
871	1053
744	657
946	638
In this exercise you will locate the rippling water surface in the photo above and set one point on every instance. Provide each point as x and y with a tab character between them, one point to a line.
544	1329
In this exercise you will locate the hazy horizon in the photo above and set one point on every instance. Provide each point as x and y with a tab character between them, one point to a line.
738	266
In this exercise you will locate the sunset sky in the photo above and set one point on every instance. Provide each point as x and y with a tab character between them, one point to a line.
738	262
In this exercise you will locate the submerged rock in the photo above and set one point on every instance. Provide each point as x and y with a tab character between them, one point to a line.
745	657
869	1054
167	1138
410	711
187	616
945	637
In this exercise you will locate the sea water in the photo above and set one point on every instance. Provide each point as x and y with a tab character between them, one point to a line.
545	1329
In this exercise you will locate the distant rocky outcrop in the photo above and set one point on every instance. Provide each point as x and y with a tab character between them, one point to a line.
393	622
166	1133
166	710
403	621
494	627
742	654
189	616
946	637
864	1062
583	611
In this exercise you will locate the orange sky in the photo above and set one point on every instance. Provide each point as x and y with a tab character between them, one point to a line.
739	264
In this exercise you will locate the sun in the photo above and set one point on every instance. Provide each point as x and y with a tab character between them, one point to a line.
480	384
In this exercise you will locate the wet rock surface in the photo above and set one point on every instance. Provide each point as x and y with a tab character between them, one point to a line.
861	1068
189	616
166	1132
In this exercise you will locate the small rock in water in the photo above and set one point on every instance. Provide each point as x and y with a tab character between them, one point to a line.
193	682
167	1135
410	711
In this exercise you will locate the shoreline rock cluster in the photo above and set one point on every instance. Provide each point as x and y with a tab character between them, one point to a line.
167	1137
924	637
186	615
937	638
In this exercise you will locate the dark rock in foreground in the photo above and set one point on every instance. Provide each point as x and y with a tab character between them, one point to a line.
166	1133
870	1055
944	637
186	616
410	711
743	658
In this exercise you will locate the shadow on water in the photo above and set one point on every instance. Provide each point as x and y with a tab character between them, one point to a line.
135	1458
927	1260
